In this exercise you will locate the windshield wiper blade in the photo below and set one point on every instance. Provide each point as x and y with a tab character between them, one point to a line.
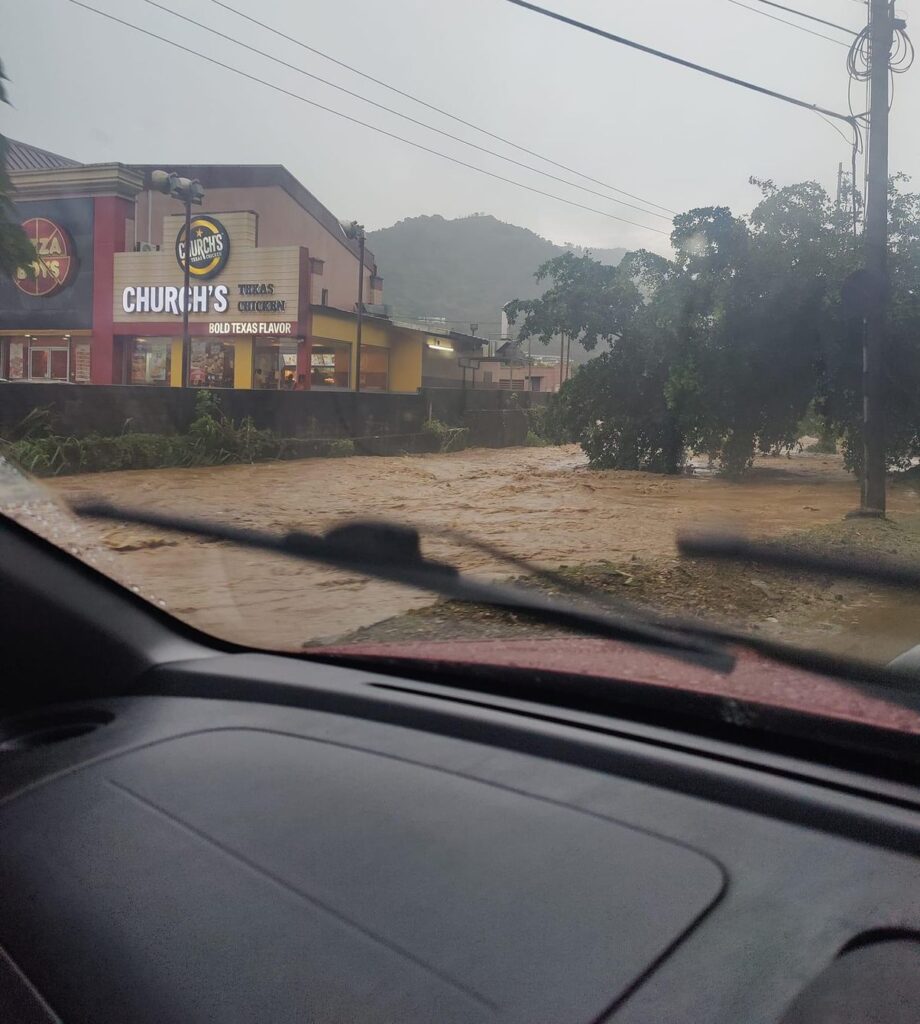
391	552
736	548
894	684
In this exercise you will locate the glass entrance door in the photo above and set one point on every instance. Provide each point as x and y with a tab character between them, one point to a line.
49	363
60	363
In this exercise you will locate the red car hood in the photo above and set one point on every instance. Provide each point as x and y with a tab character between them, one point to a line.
755	685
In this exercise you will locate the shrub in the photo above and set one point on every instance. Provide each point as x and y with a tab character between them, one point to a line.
36	423
340	448
445	438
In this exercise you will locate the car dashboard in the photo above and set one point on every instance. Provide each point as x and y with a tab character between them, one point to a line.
195	834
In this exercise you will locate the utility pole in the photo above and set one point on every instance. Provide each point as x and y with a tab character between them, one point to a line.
839	184
881	27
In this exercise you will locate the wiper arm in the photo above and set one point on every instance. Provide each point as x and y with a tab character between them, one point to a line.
391	552
896	685
735	548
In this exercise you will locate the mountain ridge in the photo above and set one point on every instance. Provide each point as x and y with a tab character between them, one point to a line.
464	269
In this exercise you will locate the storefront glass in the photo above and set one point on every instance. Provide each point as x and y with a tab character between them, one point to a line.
330	365
149	361
375	368
275	367
43	358
17	359
211	365
47	363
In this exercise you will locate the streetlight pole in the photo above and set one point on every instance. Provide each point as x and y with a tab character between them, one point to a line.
187	191
186	340
360	311
355	231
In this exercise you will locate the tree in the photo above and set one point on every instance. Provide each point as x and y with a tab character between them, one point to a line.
616	404
748	315
16	251
722	348
587	301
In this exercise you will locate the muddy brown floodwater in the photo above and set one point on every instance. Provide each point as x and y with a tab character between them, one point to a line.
542	504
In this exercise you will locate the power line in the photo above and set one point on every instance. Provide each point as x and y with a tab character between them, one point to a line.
433	107
839	131
791	24
810	17
397	113
763	90
355	120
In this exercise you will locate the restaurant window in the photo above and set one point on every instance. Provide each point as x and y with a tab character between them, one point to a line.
211	365
17	359
149	361
330	365
375	368
275	367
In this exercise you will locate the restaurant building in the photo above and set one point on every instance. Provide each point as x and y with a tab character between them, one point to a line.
272	302
52	323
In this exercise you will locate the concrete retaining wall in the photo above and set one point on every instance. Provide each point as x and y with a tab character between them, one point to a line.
494	418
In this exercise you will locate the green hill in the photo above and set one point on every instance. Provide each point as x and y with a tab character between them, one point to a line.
464	270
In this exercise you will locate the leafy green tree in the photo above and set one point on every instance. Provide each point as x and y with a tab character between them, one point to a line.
748	349
616	404
586	300
724	347
16	251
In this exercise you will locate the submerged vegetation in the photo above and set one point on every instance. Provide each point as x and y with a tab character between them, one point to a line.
212	439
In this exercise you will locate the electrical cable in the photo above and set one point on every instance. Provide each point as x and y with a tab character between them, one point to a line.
859	69
837	129
791	24
358	121
397	113
810	17
671	58
433	107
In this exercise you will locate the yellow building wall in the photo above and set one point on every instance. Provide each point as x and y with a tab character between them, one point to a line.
337	328
406	364
405	346
242	364
175	364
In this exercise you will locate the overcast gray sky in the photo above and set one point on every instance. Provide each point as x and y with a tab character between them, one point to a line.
98	91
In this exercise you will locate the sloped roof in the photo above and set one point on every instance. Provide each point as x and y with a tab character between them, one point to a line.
20	156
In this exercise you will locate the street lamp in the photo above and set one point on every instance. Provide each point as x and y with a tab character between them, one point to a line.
187	191
354	230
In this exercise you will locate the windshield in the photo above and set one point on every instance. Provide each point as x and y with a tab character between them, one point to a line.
572	282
